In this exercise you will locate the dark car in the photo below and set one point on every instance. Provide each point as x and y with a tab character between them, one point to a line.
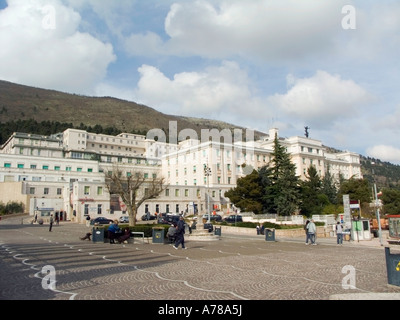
147	217
213	217
233	218
169	219
101	220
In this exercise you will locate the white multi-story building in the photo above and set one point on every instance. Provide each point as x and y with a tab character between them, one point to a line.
66	172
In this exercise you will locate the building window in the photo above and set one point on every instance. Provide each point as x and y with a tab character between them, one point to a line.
86	210
57	168
33	166
46	190
45	167
68	169
176	192
31	190
86	190
20	166
59	191
79	169
99	209
7	165
186	192
99	191
167	192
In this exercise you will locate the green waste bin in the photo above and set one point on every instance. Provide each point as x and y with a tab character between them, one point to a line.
392	267
269	234
217	231
158	235
98	234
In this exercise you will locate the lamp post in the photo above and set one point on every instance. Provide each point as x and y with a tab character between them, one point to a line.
207	173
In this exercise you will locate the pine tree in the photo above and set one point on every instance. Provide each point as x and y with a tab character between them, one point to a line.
282	183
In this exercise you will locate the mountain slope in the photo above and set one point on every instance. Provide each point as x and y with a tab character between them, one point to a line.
24	103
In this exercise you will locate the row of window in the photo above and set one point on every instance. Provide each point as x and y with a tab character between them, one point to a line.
45	167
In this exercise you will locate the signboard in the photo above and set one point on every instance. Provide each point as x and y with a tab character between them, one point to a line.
347	211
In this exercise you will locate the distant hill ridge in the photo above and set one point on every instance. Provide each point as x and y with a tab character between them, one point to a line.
25	103
20	102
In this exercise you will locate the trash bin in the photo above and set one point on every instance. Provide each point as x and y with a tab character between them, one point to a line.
158	235
269	234
217	231
98	234
393	267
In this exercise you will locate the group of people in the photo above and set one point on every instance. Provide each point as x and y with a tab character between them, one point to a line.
114	233
311	231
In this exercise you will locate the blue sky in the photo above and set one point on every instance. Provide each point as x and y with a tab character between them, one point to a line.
331	65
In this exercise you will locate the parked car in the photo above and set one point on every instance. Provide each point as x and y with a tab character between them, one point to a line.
147	217
213	217
124	219
233	218
169	219
101	220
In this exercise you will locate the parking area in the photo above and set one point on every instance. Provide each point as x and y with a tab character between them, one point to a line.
233	268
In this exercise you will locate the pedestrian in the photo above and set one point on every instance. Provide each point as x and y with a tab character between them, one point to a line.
51	222
87	236
339	233
306	231
180	234
311	229
35	217
124	238
88	221
113	231
171	234
258	229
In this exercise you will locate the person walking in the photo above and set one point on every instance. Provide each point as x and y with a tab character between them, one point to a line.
51	222
339	233
306	231
180	234
311	229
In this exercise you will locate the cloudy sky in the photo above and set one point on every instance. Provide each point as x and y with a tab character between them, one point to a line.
332	65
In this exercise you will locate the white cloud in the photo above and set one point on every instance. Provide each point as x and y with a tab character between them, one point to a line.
385	153
263	29
41	46
321	100
218	91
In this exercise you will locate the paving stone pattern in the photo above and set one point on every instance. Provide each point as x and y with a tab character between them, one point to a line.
233	268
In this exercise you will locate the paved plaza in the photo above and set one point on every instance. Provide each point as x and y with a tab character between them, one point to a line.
36	264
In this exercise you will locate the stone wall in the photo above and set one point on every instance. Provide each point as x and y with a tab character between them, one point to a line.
322	232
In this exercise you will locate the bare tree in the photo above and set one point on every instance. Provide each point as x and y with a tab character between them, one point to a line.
134	188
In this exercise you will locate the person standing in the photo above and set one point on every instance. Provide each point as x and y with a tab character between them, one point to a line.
180	234
88	221
339	233
51	222
311	229
306	231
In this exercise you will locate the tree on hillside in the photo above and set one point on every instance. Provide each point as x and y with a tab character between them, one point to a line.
133	188
247	194
391	201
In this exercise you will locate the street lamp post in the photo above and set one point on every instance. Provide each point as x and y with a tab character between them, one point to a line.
207	173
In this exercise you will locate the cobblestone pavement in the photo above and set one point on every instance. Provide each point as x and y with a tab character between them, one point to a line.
233	268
